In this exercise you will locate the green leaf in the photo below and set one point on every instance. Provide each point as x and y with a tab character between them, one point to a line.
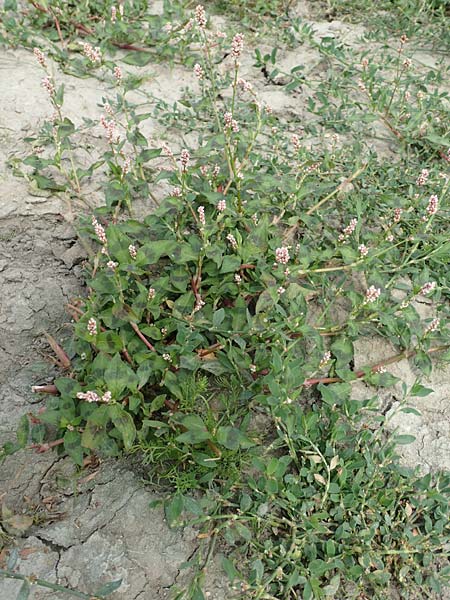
218	317
23	431
24	591
72	445
342	349
108	588
419	390
229	569
138	59
120	376
196	430
154	250
124	423
173	510
233	438
230	264
404	439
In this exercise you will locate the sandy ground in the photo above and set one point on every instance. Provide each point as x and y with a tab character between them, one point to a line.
101	528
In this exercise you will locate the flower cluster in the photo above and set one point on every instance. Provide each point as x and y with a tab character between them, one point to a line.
221	205
110	127
39	57
347	231
372	294
201	215
48	85
92	326
433	326
427	288
184	159
363	250
325	359
99	231
232	240
200	16
91	396
93	54
282	255
237	45
432	207
423	177
133	251
198	71
230	123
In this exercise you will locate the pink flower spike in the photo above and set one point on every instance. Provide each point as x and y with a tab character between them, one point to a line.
92	326
282	255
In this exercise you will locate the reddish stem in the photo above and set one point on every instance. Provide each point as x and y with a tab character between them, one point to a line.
45	389
40	448
142	337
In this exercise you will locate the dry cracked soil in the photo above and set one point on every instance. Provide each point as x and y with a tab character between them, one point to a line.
102	523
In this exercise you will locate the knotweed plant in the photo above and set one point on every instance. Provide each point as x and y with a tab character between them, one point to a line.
216	339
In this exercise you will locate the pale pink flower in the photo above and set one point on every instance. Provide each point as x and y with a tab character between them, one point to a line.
99	231
372	294
407	63
201	215
168	27
39	57
221	205
325	359
296	141
281	290
232	240
89	396
363	250
176	191
380	369
198	71
184	159
216	171
282	255
166	356
118	74
245	85
92	326
427	288
347	231
252	368
199	305
113	14
112	265
151	293
133	251
48	85
200	16
365	63
237	46
93	54
237	278
397	214
422	179
433	326
432	207
107	397
126	166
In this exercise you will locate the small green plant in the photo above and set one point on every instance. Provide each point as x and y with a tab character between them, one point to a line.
31	581
217	337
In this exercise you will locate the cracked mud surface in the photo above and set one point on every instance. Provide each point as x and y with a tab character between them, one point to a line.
102	524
